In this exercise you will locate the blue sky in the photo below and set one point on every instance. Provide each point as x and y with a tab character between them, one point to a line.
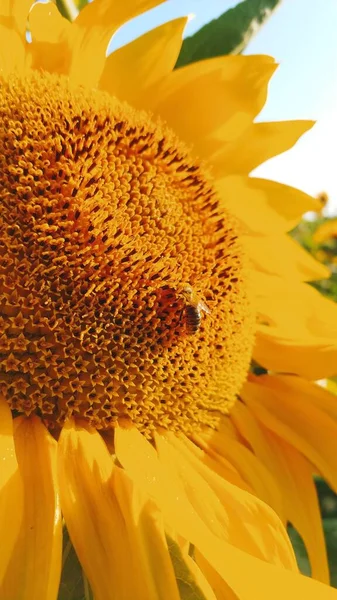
301	35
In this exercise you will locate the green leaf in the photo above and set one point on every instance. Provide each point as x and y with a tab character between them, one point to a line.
229	34
73	585
327	500
70	8
188	588
330	534
300	551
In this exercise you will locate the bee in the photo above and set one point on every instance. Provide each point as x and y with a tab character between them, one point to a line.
193	309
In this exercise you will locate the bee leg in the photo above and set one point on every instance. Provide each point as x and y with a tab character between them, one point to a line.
181	315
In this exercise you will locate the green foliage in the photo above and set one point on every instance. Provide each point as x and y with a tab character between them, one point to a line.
328	505
300	551
327	500
69	8
330	532
74	585
324	251
229	34
188	588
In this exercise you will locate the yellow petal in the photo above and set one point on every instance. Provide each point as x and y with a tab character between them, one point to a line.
325	231
258	143
94	27
130	70
293	474
51	39
302	505
218	464
251	468
301	423
227	91
261	580
35	567
229	512
251	578
322	398
14	13
297	330
10	61
11	489
313	360
220	587
13	19
116	531
113	13
200	579
280	255
277	299
161	481
249	197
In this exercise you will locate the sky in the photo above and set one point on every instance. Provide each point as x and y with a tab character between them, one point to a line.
301	36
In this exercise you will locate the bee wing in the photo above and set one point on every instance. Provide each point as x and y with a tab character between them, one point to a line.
204	307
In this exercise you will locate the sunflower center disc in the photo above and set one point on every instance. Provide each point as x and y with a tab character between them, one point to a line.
104	219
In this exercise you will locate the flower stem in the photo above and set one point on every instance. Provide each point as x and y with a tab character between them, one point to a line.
68	9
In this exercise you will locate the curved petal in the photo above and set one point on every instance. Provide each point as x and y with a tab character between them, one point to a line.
218	464
325	231
251	468
229	512
282	256
11	489
251	578
200	579
227	91
313	314
35	567
130	70
220	587
13	20
304	344
291	416
93	29
323	399
113	13
261	579
161	481
114	528
15	59
315	360
281	206
51	39
14	13
302	505
293	474
258	143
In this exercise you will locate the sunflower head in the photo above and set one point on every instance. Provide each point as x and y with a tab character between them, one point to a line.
126	313
106	221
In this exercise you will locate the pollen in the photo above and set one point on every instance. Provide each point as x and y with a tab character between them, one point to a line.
104	218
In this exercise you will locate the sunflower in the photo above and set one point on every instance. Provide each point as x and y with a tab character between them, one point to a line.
159	342
326	232
324	242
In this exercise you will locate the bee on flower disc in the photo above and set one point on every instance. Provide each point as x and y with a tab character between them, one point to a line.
193	310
